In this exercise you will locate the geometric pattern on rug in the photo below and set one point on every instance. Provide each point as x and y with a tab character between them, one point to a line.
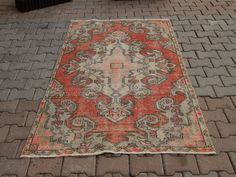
119	86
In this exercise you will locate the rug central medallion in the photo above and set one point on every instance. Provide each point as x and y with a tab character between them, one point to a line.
119	68
120	86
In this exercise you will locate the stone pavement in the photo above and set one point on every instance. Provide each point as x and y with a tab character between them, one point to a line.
29	47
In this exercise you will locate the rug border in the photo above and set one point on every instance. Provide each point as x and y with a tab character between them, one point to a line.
34	127
121	153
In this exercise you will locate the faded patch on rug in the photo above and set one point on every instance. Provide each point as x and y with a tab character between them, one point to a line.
119	86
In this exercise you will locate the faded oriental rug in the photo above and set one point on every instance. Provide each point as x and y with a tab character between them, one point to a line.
119	86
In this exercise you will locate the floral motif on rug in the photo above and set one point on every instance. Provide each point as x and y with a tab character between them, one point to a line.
119	86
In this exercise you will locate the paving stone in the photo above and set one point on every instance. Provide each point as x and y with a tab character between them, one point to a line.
10	51
214	47
18	66
8	106
189	54
4	66
3	133
232	156
46	30
9	150
225	91
83	175
196	71
18	133
26	105
213	129
15	37
205	81
57	43
225	144
202	103
12	119
20	148
183	40
12	58
180	163
225	174
30	119
39	94
14	166
219	162
21	94
58	25
51	57
205	91
227	54
231	115
234	100
46	73
220	71
230	47
51	165
204	40
34	37
211	27
28	75
222	17
45	65
191	47
215	115
11	75
151	164
112	164
4	94
192	28
79	165
43	50
211	174
186	63
225	33
205	34
75	175
52	36
216	103
226	129
186	34
5	43
39	83
175	175
37	43
222	62
200	63
232	70
16	43
193	81
34	57
112	175
182	22
144	175
233	39
12	84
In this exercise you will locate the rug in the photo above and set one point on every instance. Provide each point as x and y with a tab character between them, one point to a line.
119	86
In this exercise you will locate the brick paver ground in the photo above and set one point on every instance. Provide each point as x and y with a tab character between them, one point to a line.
29	47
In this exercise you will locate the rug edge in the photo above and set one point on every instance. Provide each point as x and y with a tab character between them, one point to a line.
115	153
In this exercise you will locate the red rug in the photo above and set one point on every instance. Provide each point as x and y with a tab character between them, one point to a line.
119	86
